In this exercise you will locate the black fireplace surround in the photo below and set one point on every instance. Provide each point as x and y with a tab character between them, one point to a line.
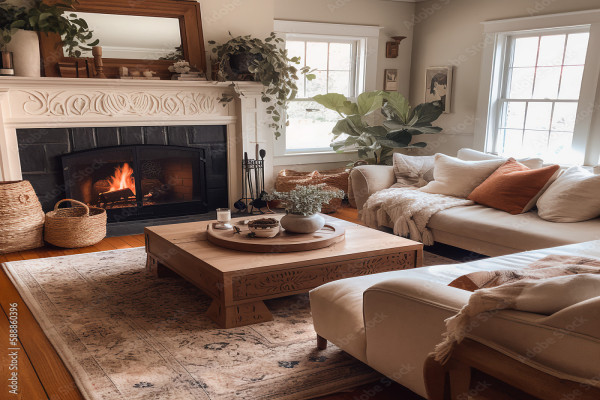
133	172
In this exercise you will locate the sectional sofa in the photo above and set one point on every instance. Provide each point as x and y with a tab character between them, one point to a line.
478	228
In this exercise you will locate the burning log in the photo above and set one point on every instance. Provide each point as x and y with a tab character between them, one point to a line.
115	196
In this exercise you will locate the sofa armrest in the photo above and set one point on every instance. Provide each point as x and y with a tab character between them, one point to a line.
404	320
368	179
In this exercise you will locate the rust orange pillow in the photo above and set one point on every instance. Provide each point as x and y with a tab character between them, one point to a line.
513	187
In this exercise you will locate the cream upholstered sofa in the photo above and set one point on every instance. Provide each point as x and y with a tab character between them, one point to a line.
478	228
392	321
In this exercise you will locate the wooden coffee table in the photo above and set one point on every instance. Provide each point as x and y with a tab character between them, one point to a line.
239	281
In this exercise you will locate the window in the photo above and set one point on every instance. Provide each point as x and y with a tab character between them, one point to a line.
335	63
540	95
539	99
344	58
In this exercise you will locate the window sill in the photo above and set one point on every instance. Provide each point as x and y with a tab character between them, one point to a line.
315	158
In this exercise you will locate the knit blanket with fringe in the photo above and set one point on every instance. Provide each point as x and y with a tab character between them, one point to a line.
548	286
408	210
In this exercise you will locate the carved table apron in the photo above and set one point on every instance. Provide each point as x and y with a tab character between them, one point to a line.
239	281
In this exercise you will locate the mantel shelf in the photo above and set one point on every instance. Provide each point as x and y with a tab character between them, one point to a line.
8	83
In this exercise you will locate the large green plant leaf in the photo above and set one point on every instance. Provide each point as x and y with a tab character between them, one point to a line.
332	101
403	138
426	113
351	125
369	102
399	104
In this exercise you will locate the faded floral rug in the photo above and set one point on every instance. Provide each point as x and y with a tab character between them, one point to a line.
124	334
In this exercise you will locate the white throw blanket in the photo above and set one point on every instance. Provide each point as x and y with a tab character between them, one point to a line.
409	210
540	296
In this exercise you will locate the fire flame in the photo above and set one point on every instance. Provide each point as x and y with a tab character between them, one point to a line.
122	179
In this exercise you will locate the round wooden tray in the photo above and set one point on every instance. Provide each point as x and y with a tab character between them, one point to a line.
284	242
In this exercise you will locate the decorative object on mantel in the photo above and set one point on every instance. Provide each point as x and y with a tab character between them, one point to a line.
21	217
126	73
283	241
81	68
20	25
76	226
7	65
97	53
302	206
376	142
336	179
391	48
182	71
265	61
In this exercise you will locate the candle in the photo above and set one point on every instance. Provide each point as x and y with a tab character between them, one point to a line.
223	215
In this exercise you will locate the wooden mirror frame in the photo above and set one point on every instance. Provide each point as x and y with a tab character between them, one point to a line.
187	11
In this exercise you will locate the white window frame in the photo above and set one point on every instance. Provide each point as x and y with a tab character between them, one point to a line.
367	40
494	65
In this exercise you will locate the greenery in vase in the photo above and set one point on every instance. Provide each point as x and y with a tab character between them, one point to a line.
270	65
305	200
41	17
379	122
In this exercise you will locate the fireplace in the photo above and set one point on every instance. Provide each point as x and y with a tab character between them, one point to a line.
134	172
138	182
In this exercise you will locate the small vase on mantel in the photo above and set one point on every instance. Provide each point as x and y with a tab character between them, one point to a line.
299	223
25	46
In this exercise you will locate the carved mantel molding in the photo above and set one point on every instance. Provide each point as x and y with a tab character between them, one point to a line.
66	103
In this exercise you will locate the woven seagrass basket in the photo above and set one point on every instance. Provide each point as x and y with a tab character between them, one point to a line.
21	217
75	226
333	179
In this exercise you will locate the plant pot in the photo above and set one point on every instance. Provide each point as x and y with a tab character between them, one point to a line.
25	46
302	224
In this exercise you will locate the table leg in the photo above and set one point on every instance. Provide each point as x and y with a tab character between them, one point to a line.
154	267
239	315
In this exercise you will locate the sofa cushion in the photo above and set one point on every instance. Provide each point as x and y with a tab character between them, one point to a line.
513	187
413	170
520	232
474	155
454	177
573	197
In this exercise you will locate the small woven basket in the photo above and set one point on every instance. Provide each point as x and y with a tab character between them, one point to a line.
288	179
76	226
21	217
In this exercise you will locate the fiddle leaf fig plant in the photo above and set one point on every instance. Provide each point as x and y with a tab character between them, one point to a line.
265	61
41	17
379	122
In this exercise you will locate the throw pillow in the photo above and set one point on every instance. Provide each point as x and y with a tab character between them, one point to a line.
412	170
513	187
573	197
454	177
474	155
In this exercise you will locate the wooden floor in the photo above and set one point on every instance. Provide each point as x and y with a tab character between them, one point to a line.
42	374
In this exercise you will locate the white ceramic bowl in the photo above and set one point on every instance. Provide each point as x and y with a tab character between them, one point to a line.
264	232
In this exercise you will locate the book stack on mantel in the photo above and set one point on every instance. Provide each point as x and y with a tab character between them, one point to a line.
190	76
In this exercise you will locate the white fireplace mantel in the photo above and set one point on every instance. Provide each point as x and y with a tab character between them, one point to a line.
69	103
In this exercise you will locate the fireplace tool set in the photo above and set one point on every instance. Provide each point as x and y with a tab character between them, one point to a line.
253	185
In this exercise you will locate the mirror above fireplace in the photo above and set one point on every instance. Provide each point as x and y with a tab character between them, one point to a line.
140	35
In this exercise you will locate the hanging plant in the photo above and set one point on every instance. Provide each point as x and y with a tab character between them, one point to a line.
264	61
41	17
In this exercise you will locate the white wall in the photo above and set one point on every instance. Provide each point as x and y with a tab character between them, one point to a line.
449	32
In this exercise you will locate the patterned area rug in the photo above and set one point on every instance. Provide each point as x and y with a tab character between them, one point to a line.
126	335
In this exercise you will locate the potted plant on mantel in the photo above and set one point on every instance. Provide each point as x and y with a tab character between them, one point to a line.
265	61
302	206
378	123
19	26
